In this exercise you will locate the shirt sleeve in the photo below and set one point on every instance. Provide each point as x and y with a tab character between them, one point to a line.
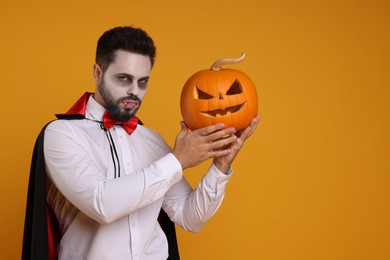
84	183
191	209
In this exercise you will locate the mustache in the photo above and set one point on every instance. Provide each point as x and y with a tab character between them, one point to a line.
130	97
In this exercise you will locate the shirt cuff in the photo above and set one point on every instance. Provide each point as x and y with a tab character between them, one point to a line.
217	180
171	167
221	174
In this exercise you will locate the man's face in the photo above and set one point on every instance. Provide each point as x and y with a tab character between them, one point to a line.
122	87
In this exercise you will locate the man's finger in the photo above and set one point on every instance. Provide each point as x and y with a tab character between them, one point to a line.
205	131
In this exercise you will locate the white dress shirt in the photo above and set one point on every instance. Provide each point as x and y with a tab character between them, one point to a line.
103	217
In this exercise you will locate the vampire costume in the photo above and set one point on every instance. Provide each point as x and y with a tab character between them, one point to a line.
41	228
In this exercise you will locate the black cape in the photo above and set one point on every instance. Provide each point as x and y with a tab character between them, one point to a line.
41	230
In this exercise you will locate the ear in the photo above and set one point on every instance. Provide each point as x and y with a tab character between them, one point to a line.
97	73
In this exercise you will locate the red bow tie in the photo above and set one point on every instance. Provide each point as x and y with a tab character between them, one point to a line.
129	126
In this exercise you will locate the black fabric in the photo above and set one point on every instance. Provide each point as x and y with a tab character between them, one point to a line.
35	237
169	229
35	226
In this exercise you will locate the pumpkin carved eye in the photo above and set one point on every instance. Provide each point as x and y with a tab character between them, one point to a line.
235	89
199	94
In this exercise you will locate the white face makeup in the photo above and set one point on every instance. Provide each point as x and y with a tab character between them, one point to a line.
123	85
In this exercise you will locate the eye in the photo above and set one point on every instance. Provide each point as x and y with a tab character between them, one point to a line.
235	88
123	78
143	83
199	94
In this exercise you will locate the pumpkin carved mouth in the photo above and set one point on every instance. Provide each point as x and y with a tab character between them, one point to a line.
222	112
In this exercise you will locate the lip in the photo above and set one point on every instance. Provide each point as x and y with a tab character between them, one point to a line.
130	104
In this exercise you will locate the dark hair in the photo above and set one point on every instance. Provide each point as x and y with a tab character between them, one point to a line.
125	38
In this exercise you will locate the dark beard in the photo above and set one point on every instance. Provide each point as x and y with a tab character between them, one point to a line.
116	112
114	108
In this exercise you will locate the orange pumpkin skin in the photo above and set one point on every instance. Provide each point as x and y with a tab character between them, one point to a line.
218	96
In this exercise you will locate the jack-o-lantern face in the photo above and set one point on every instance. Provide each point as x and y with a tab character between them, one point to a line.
218	96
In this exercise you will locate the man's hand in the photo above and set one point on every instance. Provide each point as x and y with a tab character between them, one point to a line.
223	162
193	148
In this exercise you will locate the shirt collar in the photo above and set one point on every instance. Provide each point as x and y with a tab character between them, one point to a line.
94	110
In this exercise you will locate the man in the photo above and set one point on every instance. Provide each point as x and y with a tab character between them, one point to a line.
106	184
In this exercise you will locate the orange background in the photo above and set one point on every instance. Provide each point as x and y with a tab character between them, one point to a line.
311	183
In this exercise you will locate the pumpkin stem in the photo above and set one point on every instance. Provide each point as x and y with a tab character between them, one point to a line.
219	63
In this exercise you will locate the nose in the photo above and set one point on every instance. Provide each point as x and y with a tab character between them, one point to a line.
133	89
222	101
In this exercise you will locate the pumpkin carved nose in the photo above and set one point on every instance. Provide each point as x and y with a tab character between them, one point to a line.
221	96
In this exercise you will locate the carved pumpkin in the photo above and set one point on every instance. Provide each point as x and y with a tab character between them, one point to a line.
219	96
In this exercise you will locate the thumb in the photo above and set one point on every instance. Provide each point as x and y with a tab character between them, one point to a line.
184	129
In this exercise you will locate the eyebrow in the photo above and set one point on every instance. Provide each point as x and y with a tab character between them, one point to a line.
131	76
125	75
